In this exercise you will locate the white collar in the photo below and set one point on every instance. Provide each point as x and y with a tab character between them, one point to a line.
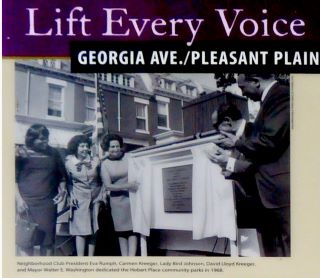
267	89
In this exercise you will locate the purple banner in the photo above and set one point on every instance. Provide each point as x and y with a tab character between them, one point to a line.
45	28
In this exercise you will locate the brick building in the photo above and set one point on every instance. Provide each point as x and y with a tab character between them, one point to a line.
143	108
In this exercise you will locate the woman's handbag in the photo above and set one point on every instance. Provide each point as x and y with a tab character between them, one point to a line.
27	232
106	245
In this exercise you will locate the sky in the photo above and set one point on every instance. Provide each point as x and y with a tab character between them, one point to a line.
205	79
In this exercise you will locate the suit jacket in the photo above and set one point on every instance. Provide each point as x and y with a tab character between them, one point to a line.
268	147
244	171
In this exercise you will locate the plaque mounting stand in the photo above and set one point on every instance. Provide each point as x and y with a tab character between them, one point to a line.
167	196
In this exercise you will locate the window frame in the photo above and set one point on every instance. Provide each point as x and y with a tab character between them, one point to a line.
115	78
165	101
62	85
146	103
90	91
50	63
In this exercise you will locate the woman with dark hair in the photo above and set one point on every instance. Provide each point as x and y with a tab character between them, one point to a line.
85	193
40	176
114	173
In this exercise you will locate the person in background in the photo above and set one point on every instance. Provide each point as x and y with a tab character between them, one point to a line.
85	193
114	173
267	146
228	119
41	185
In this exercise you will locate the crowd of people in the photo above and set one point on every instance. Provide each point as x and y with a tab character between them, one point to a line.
254	155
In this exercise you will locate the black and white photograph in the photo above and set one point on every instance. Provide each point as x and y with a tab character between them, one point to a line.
151	164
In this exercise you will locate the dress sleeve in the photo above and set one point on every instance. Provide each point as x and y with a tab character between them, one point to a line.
21	158
19	165
61	169
105	175
97	162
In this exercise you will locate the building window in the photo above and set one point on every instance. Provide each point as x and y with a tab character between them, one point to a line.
115	78
161	83
167	85
56	89
163	112
64	66
190	91
126	81
90	107
141	115
55	101
51	63
102	76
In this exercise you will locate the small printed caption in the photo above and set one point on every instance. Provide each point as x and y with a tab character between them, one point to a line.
130	267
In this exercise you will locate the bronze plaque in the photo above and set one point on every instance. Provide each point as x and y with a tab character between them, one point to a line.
177	188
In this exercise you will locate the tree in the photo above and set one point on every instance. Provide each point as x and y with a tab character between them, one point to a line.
225	79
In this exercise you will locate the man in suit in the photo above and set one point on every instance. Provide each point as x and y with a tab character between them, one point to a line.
228	118
267	146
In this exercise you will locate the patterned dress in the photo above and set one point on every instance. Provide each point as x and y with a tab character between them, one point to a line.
86	189
116	172
38	176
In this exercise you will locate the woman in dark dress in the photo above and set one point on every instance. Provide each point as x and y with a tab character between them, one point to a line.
40	175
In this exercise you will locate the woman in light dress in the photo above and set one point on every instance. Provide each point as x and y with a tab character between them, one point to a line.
114	173
85	193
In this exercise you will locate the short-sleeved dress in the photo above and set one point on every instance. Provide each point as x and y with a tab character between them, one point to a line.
38	176
117	171
84	178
